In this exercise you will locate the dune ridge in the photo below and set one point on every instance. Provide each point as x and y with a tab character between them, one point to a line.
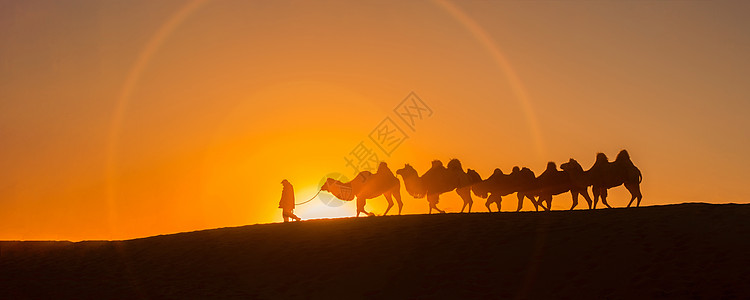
672	251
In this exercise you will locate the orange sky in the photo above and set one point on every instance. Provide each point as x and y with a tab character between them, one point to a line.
130	119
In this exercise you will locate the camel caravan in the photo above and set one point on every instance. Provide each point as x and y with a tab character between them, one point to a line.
439	179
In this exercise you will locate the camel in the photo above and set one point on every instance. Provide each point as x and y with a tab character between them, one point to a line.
580	180
414	184
551	182
519	181
606	175
368	186
493	188
525	184
465	180
437	180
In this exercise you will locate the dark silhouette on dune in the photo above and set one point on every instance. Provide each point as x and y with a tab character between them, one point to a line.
519	181
414	184
438	180
580	180
368	186
464	181
493	188
552	182
287	202
684	251
606	175
474	178
431	184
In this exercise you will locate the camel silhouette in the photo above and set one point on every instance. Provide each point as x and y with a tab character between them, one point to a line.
465	181
414	184
519	181
431	184
438	180
552	182
367	185
606	175
580	180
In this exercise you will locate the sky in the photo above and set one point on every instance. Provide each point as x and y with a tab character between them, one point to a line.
126	119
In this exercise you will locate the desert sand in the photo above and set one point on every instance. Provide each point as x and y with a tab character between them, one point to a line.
674	251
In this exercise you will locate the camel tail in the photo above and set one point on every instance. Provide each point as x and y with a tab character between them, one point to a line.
640	176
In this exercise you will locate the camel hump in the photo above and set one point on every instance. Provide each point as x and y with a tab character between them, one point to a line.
455	164
437	164
623	155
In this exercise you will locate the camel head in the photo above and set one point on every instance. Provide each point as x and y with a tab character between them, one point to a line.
406	171
480	190
480	187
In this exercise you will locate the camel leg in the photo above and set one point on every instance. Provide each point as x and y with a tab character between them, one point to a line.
434	204
520	202
538	201
361	207
586	196
494	199
388	198
548	199
640	197
574	195
465	194
596	191
461	194
487	203
533	201
432	199
468	198
635	192
604	198
397	194
471	201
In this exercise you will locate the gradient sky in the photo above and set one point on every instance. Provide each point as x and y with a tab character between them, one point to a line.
124	119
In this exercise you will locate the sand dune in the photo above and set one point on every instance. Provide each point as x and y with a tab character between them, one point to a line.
675	251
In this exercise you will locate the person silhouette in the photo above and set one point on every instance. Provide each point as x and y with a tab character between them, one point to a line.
287	202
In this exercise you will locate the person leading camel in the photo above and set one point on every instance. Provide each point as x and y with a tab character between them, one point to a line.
287	202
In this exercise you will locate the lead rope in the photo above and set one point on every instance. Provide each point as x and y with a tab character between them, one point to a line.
311	199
